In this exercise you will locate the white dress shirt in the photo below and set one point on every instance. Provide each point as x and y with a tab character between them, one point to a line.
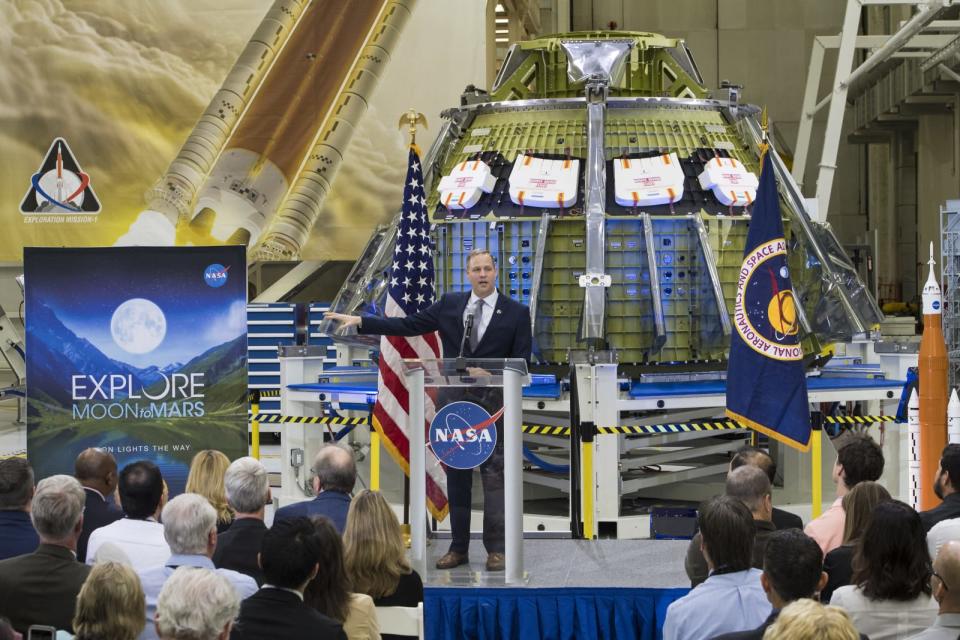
489	304
141	540
886	619
941	533
946	627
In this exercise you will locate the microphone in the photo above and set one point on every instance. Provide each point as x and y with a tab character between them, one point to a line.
467	328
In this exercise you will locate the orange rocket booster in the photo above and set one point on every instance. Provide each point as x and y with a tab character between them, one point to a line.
933	388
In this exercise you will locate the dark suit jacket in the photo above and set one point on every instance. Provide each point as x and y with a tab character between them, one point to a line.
237	548
275	613
696	565
41	588
97	513
838	565
332	504
757	634
507	336
786	520
17	535
946	510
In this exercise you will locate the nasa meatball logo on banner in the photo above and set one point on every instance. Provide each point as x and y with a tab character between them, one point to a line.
59	190
463	434
215	275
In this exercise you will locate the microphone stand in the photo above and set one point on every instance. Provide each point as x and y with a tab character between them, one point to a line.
461	362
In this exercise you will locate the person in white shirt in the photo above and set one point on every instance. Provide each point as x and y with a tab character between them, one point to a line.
946	572
731	598
138	534
889	595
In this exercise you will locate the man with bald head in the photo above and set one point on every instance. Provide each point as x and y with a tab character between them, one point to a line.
96	470
334	474
946	591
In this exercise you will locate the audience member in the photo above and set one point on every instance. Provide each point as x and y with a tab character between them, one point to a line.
808	620
946	484
248	492
198	604
374	554
330	590
335	473
42	587
755	457
889	594
290	558
791	571
7	632
110	605
190	528
946	572
732	598
750	486
206	475
858	460
17	535
96	470
138	534
858	506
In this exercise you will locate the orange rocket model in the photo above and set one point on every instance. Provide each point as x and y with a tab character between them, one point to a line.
933	388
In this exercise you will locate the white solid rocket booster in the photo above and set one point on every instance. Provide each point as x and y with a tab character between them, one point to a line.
913	449
953	419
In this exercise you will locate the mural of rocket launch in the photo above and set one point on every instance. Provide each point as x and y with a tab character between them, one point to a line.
259	162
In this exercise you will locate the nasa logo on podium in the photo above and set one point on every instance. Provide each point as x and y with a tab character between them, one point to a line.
463	434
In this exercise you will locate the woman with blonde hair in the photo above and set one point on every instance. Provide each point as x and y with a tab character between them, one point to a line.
206	478
375	558
111	604
858	506
809	620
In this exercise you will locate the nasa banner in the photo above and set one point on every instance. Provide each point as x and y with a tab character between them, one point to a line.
138	350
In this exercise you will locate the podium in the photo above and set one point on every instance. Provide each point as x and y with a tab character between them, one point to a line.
446	375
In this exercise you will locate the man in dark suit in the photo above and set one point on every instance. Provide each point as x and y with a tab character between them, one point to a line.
42	587
17	535
500	329
96	470
289	559
755	457
248	493
334	474
792	569
946	484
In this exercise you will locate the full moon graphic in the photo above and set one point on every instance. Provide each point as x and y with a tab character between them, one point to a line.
138	326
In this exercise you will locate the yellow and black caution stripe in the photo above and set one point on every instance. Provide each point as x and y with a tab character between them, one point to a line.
273	418
859	419
256	394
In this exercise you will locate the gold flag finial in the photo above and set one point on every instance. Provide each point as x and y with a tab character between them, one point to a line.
412	119
764	144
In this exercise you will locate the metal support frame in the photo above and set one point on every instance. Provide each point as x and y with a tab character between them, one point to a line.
845	76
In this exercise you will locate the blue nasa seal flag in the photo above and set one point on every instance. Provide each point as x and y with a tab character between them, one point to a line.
463	434
766	384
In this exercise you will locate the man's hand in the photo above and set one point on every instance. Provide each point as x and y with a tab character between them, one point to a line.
344	320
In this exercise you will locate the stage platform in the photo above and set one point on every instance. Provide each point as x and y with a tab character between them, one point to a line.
574	589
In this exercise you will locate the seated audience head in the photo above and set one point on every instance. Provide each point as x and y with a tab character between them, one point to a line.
57	510
334	469
206	479
792	567
754	457
110	605
891	561
859	505
196	604
16	484
858	460
329	591
947	480
190	525
141	490
373	546
946	576
751	486
727	533
289	553
247	485
7	632
807	619
96	469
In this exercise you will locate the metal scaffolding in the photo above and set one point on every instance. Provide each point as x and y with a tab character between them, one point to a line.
950	284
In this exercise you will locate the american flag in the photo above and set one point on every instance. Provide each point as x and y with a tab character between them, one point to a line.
410	290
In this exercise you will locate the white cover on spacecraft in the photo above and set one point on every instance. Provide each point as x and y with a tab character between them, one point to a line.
540	182
730	181
462	188
647	181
